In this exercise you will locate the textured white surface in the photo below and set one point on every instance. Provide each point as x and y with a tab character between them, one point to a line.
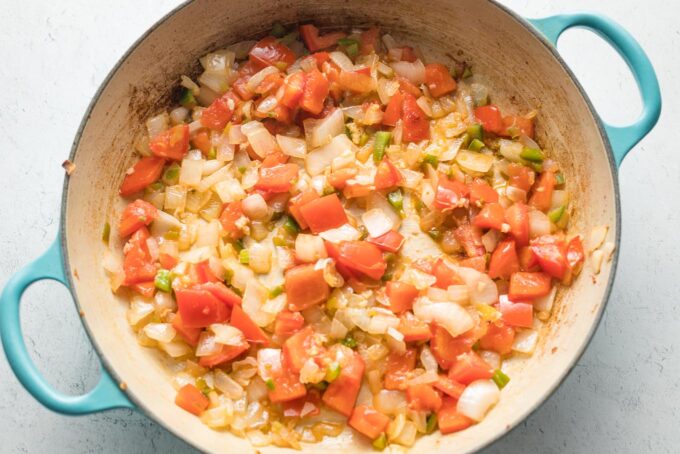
621	397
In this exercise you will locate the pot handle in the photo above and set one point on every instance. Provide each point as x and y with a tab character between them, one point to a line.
105	395
622	138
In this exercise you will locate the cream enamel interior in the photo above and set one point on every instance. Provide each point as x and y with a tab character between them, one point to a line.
520	70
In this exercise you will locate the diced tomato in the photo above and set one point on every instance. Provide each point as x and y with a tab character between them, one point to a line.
362	257
356	190
204	274
146	289
301	346
449	387
517	217
135	216
520	176
145	172
408	54
575	254
305	287
470	367
342	393
481	192
438	79
172	143
528	260
190	335
240	86
528	286
476	263
368	421
516	314
369	40
287	323
324	213
297	202
406	86
415	126
315	92
445	275
389	242
446	348
393	109
252	332
314	41
356	82
551	255
201	140
229	217
450	193
279	178
470	238
522	125
491	216
338	179
413	329
271	52
220	111
222	293
541	198
499	337
321	57
423	398
270	84
191	399
228	353
308	405
397	368
137	264
287	387
448	418
504	260
401	295
293	87
491	118
199	308
387	175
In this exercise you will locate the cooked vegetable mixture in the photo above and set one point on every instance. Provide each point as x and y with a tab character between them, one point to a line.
329	231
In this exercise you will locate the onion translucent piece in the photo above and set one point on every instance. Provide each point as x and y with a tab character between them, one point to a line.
321	158
376	222
511	150
291	146
259	76
268	362
417	278
539	224
477	398
261	140
139	310
525	341
157	124
450	316
459	294
426	378
227	334
309	248
545	303
482	288
208	234
191	172
254	206
474	162
254	297
343	233
342	60
320	132
559	198
390	402
175	349
229	190
260	258
490	240
207	345
413	71
492	358
597	237
162	332
428	360
515	194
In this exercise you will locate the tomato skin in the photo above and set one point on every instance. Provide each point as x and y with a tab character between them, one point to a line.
393	109
527	286
470	238
287	323
481	192
515	313
470	367
525	125
293	87
299	347
227	353
201	140
270	52
220	111
541	198
135	216
315	92
338	179
342	393
491	216
172	143
204	274
575	253
520	176
305	287
368	421
401	295
199	308
362	257
252	332
279	178
413	329
137	264
504	260
446	348
369	40
356	82
146	289
491	118
476	263
324	213
397	367
229	217
191	399
145	172
190	335
408	54
517	217
445	275
438	80
240	86
299	408
297	202
387	175
222	293
448	418
389	242
551	255
314	41
415	125
423	398
406	86
499	337
528	260
287	387
449	387
450	193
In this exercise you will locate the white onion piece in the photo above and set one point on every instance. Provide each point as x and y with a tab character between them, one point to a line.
427	378
528	142
162	332
492	358
425	105
473	161
515	194
490	240
191	171
389	41
545	303
482	288
438	294
235	135
268	362
320	132
597	257
309	248
511	150
427	193
321	158
261	140
428	360
343	233
254	297
175	349
450	153
376	222
259	258
227	385
411	178
229	190
539	224
152	246
559	198
207	345
597	237
450	316
353	112
268	104
377	201
207	234
413	71
157	124
417	278
254	206
381	322
138	311
608	250
525	341
386	89
338	329
164	301
178	115
390	402
259	76
296	148
227	334
189	84
459	294
225	151
477	398
342	60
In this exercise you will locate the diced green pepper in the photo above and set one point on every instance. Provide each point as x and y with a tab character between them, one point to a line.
500	379
157	186
238	245
202	386
278	30
172	234
532	154
106	233
163	280
243	256
276	291
467	72
431	159
363	232
476	131
322	385
333	372
382	138
435	234
290	38
212	154
241	169
431	423
380	443
559	179
363	140
556	214
349	341
270	384
171	175
187	99
396	199
291	226
476	145
466	140
344	42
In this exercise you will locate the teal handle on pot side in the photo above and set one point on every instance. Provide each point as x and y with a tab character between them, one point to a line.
622	138
104	396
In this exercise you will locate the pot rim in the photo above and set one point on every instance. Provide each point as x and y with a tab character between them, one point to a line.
63	237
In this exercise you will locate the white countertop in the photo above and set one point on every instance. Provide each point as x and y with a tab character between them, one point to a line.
622	396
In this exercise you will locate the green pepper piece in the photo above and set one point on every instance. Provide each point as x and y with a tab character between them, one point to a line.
431	159
290	38
380	443
106	233
556	214
290	226
172	234
344	42
163	280
476	131
322	385
532	154
435	234
500	378
171	175
396	199
278	30
559	179
431	423
270	384
187	99
363	140
202	386
382	138
243	256
157	186
333	372
466	140
349	341
467	72
276	291
476	145
212	154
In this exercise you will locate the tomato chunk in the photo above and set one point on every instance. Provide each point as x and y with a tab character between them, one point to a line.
287	323
301	346
191	399
504	260
369	40
305	287
389	242
252	332
401	295
449	387
220	111
356	82
190	335
423	398
279	178
516	314
270	52
415	126
448	418
362	257
293	87
145	172
499	337
445	275
528	286
439	80
520	176
481	192
324	213
541	198
297	202
517	217
368	421
393	109
135	216
227	353
230	218
491	217
446	348
398	366
342	393
491	118
199	308
222	293
551	255
387	175
575	253
314	41
470	237
450	193
137	264
315	92
470	367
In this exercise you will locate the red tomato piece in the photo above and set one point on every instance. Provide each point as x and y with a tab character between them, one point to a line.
190	335
401	295
287	323
305	287
314	41
135	216
423	398
287	387
342	393
308	405
449	387
516	314
293	87
324	213
201	140
274	159
137	264
222	293
450	193
470	367
406	86
551	255
363	257
413	329
393	109
271	52
356	190
481	192
491	118
387	175
191	399
356	82
491	216
369	40
146	289
519	125
391	241
517	217
315	92
448	418
408	54
415	126
499	337
300	347
240	86
520	177
279	178
541	198
145	172
438	79
204	273
368	421
252	332
398	366
172	143
504	261
528	286
231	214
220	111
470	237
445	275
297	202
199	308
446	348
476	263
575	253
228	353
338	179
528	260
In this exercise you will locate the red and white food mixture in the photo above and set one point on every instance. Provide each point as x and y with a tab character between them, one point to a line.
334	232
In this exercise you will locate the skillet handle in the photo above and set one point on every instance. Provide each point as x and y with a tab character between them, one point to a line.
105	395
622	138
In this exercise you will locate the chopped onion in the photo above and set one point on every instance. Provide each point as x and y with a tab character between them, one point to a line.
528	142
608	250
417	278
217	82
254	206
162	332
474	162
381	322
376	222
515	194
482	288
229	190
189	84
560	198
321	158
138	311
545	303
477	398
227	334
179	115
261	140
297	148
389	41
413	71
490	240
539	224
191	171
511	150
411	178
260	258
235	136
428	360
426	378
377	201
259	76
175	349
386	89
207	345
525	341
207	234
157	124
343	233
492	358
597	237
275	305
309	248
164	302
450	316
438	294
241	49
320	132
459	294
342	60
267	104
597	257
338	329
425	105
390	402
254	297
268	362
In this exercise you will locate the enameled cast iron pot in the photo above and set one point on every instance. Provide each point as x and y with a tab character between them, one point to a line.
518	61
